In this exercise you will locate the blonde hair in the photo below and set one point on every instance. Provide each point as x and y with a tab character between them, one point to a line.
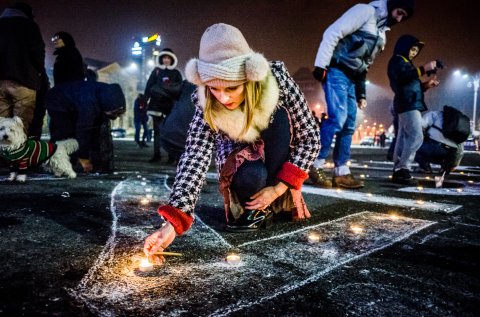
253	92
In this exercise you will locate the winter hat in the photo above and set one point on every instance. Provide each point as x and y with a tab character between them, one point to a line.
407	5
225	59
168	52
25	8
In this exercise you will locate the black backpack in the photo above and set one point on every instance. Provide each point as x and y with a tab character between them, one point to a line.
456	125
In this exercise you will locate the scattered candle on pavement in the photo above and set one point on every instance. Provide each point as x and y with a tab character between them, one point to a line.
356	229
233	259
145	266
313	237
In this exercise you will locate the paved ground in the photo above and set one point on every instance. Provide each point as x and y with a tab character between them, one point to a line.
72	248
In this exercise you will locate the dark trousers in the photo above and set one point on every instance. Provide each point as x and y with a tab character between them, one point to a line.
435	152
157	123
252	176
138	126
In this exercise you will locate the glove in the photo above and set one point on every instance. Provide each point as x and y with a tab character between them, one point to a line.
320	74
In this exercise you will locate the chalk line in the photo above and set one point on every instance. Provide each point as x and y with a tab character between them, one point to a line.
379	199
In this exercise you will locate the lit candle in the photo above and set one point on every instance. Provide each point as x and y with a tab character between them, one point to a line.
470	182
462	173
339	190
144	201
313	237
139	176
233	259
145	266
143	183
390	176
420	188
420	202
366	165
459	190
356	229
149	196
393	216
369	194
427	177
148	190
349	163
362	175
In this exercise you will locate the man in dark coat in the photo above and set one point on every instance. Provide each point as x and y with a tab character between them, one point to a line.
140	119
69	65
77	110
162	89
173	134
22	62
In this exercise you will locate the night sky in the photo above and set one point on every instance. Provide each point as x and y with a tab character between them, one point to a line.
283	30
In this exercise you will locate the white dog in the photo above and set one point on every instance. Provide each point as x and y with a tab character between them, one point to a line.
22	153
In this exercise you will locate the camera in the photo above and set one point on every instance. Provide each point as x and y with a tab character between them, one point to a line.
440	65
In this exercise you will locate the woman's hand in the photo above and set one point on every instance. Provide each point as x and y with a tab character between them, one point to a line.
159	241
266	196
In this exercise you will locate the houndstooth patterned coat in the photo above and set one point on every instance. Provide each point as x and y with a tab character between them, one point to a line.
202	141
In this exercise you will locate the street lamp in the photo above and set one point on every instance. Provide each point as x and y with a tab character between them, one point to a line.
474	83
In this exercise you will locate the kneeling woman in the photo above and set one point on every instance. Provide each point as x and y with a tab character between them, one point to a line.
265	137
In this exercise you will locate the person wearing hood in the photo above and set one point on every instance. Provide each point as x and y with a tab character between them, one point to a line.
22	63
408	103
163	88
78	110
348	48
254	116
69	65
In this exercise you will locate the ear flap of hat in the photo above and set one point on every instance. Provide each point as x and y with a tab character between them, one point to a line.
256	67
191	72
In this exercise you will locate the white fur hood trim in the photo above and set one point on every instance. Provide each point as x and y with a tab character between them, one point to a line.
231	122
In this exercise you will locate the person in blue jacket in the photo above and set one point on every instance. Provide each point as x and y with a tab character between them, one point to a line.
77	110
408	103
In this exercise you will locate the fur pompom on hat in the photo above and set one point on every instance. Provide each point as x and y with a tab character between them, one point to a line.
225	59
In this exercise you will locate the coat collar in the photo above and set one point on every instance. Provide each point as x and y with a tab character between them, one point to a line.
231	122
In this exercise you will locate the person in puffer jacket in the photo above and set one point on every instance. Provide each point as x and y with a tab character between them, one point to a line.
256	118
77	110
348	48
408	103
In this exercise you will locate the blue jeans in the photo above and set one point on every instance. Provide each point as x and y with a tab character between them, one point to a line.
252	176
409	139
138	125
342	113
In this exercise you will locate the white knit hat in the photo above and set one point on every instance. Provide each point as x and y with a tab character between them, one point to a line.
225	59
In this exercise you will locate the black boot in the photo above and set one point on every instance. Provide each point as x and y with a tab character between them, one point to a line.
155	159
250	220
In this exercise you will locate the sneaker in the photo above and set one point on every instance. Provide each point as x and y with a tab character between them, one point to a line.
402	176
318	177
347	181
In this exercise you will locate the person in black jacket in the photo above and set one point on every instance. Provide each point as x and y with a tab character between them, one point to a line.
69	65
78	110
162	89
22	62
408	103
140	119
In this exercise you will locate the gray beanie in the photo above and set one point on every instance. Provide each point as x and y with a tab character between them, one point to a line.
225	59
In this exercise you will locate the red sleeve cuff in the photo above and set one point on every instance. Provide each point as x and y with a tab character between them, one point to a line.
292	174
180	221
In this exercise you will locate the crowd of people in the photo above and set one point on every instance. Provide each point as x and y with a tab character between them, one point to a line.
235	106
